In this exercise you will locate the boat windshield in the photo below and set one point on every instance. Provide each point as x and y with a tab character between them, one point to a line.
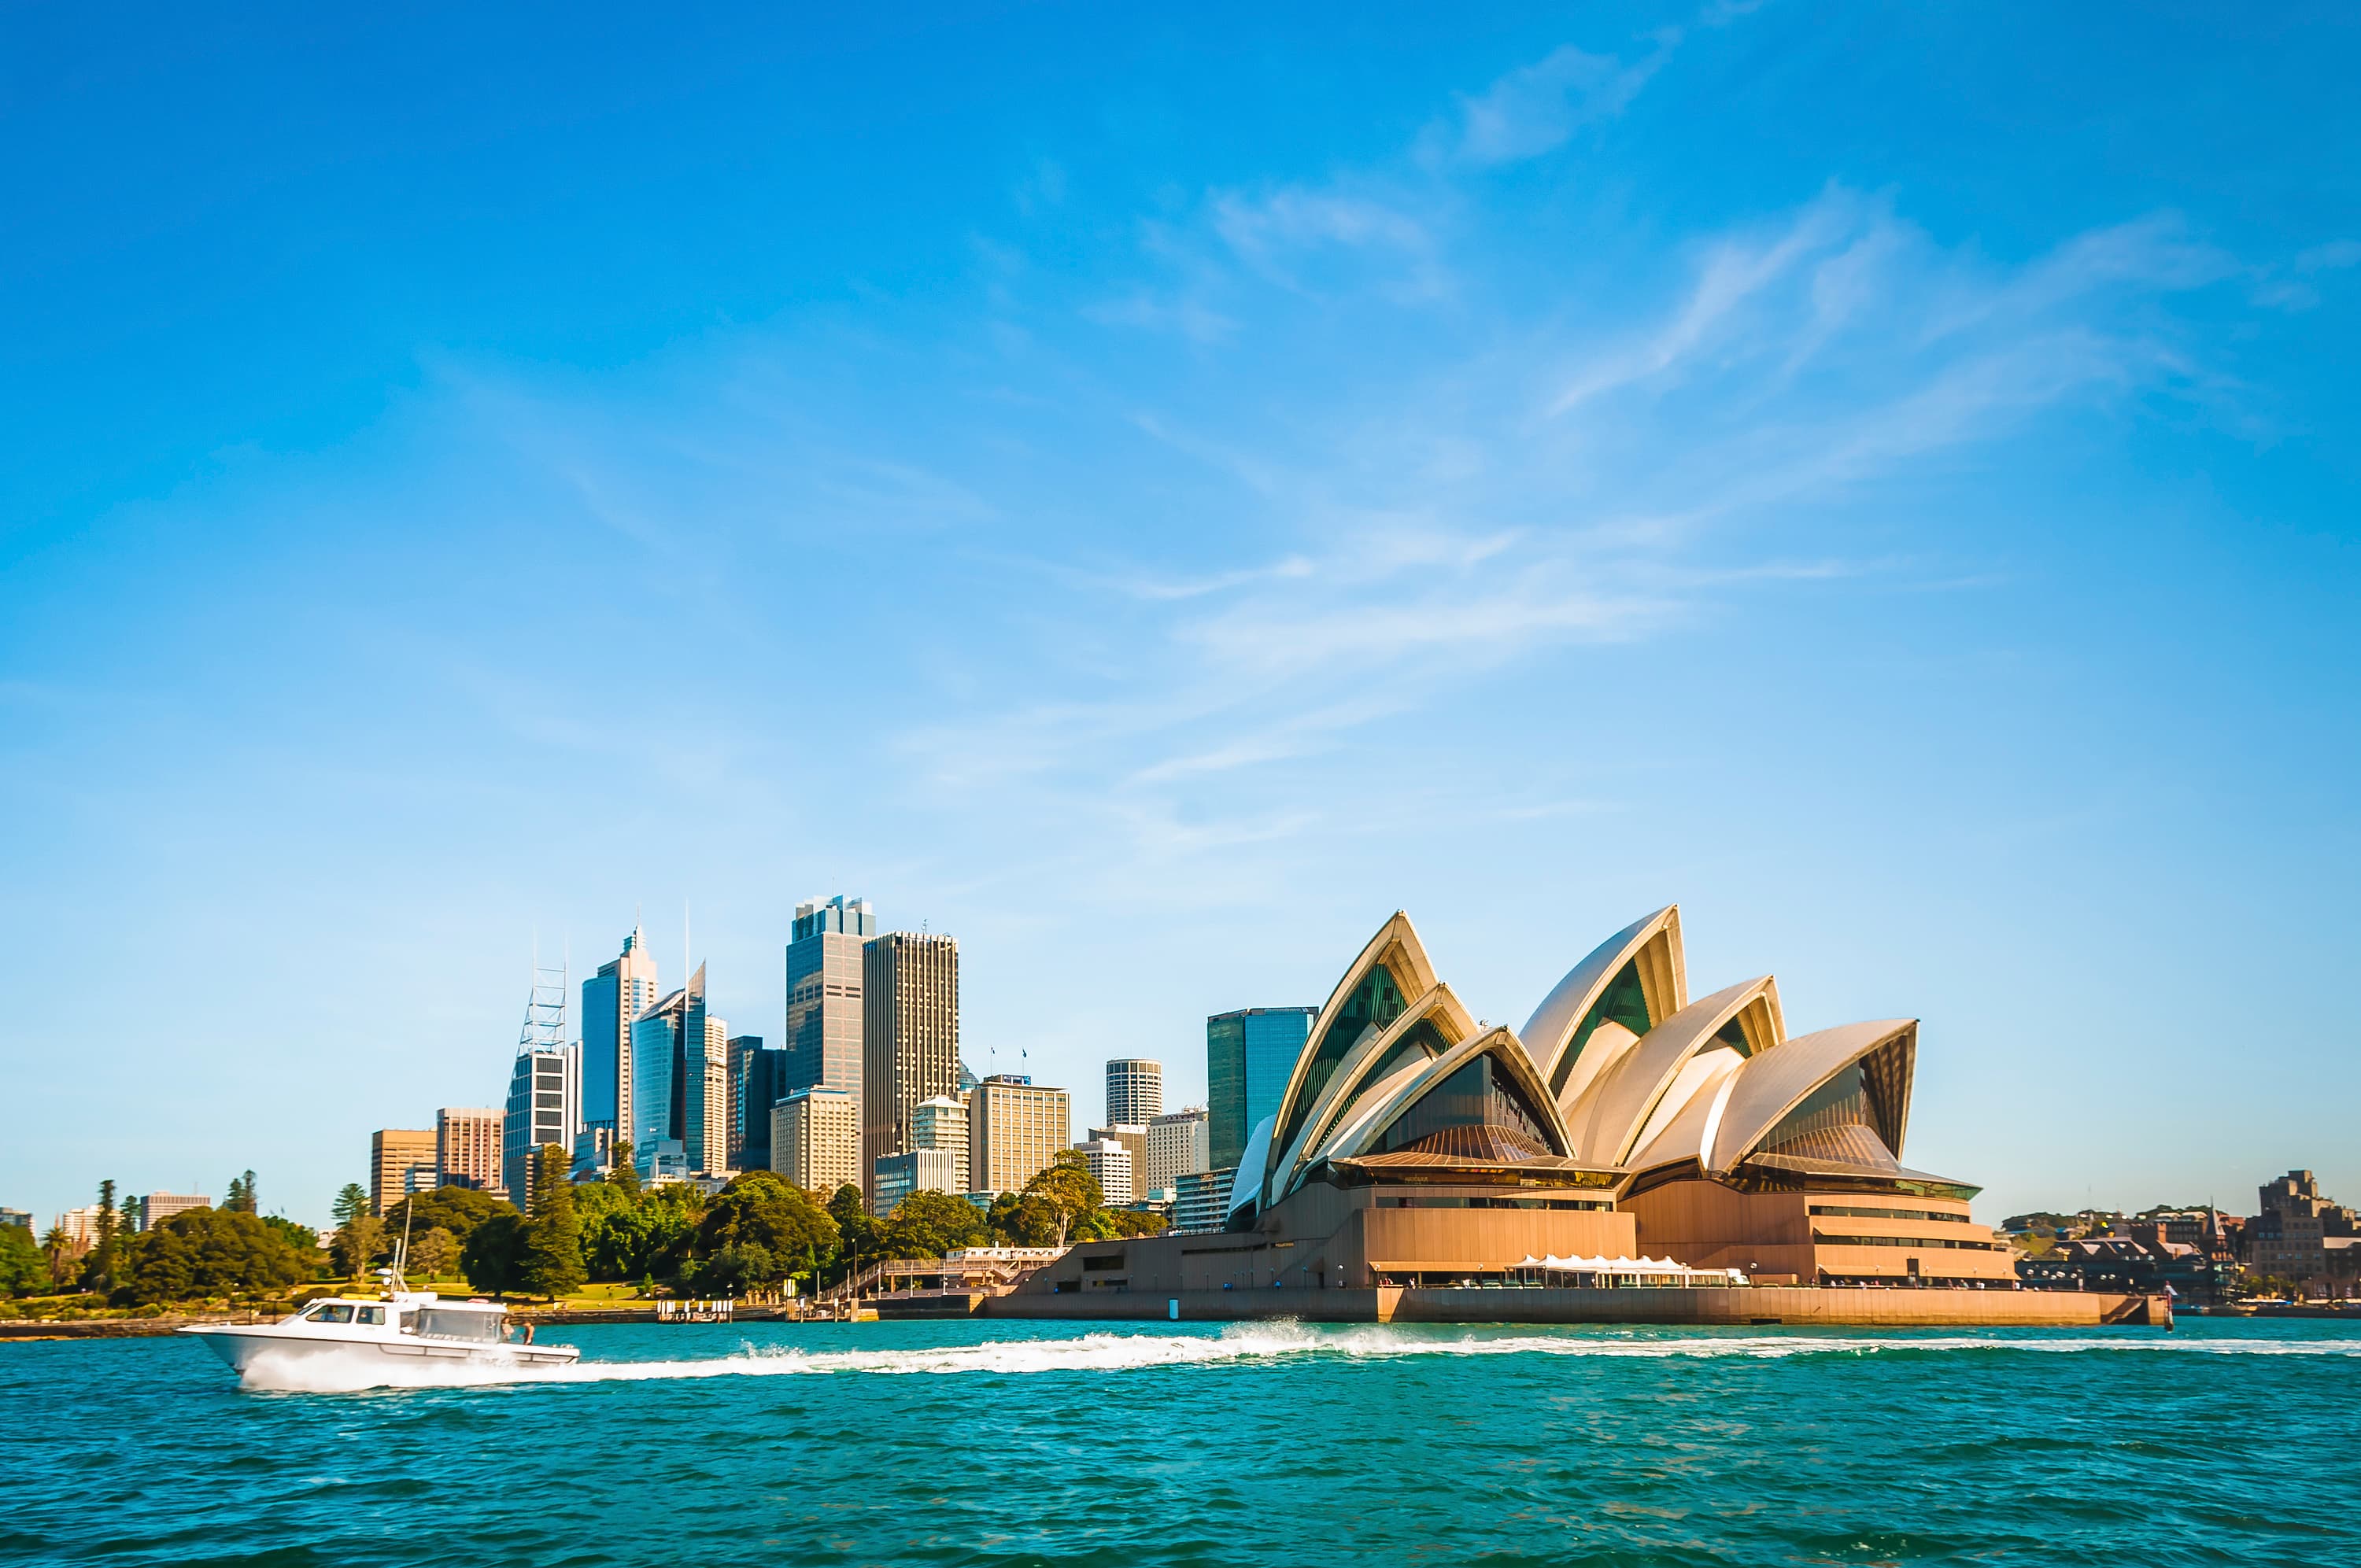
446	1322
330	1312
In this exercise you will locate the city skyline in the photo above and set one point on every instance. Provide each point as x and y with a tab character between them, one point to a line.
1881	483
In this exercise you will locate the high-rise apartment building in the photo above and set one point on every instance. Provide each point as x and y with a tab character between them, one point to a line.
823	980
1248	1055
757	1080
909	1038
680	1083
1201	1201
1134	1091
1110	1162
1016	1128
1178	1145
816	1140
544	1107
623	988
941	1123
468	1148
392	1151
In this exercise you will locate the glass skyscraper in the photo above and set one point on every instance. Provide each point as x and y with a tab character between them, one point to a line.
623	988
822	1044
1248	1055
680	1081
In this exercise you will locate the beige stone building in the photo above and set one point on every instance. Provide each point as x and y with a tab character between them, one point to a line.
1016	1128
468	1147
393	1151
816	1140
940	1123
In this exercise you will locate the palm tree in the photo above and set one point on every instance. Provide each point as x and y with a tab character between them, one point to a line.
57	1247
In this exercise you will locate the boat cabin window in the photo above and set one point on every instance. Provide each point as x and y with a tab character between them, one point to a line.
448	1323
330	1312
373	1315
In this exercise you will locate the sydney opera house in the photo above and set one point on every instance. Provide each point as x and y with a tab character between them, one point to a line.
1415	1147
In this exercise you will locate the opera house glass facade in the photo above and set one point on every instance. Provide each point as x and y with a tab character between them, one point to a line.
1410	1144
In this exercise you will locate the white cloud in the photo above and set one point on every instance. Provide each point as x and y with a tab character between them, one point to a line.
1535	108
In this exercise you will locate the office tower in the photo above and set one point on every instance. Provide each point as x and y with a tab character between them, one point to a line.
941	1123
1134	1091
594	1151
1111	1163
757	1081
1248	1055
392	1151
544	1107
80	1226
1015	1129
913	1170
20	1218
1202	1201
468	1148
909	1038
680	1083
816	1140
1177	1145
159	1207
1134	1138
623	988
823	1037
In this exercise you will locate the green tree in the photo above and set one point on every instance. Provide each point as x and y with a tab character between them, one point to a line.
351	1200
493	1251
1060	1194
929	1224
23	1270
845	1204
99	1269
205	1252
458	1210
300	1237
622	1172
57	1248
357	1244
432	1255
551	1261
753	1229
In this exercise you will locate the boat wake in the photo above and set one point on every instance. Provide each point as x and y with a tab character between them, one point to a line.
1236	1344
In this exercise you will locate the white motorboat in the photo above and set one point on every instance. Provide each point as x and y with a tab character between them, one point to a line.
415	1325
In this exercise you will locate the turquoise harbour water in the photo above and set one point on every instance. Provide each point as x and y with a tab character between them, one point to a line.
999	1443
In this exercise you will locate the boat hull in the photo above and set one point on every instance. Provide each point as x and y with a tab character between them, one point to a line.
243	1346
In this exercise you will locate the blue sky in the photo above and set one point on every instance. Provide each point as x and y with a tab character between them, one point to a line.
1152	494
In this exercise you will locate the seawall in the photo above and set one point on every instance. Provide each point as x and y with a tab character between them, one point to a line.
1669	1304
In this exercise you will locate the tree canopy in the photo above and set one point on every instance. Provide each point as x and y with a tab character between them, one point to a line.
929	1224
458	1210
210	1252
551	1261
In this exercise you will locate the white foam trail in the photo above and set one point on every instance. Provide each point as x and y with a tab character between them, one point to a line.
343	1372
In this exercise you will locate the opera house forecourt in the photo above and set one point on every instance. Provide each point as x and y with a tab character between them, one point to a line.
1633	1154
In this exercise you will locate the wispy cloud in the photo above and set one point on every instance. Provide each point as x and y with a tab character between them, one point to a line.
1536	108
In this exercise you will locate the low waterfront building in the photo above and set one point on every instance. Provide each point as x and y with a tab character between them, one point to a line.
393	1152
1110	1165
1201	1198
1175	1146
2148	1264
913	1170
1016	1128
816	1140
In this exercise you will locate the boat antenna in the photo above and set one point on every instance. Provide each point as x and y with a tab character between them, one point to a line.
401	1252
